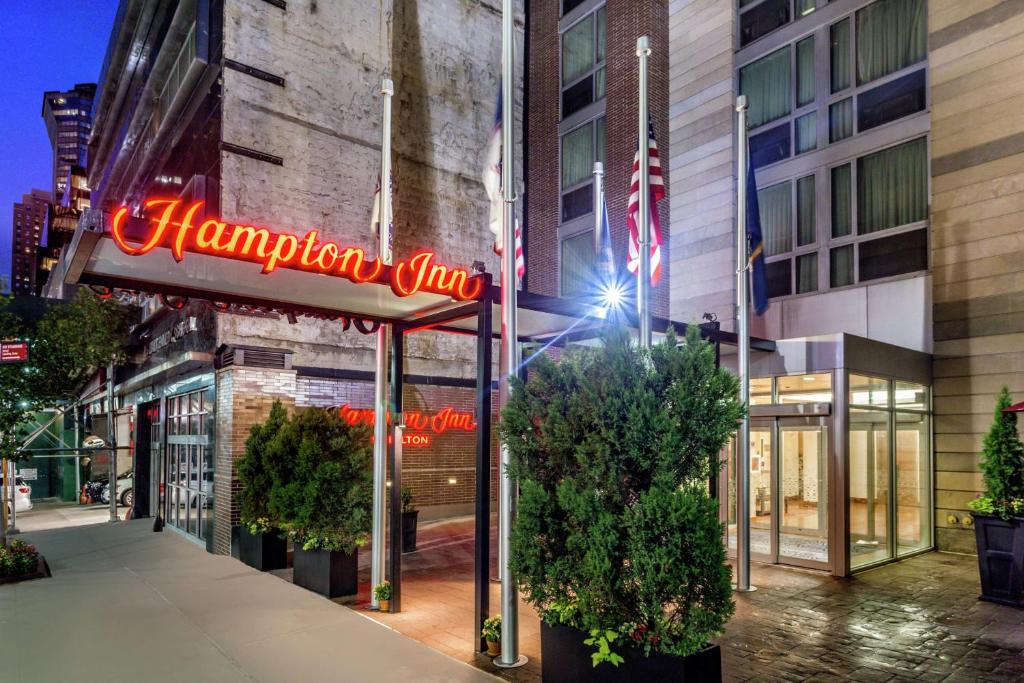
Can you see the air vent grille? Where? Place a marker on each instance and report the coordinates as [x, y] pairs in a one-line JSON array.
[[254, 358]]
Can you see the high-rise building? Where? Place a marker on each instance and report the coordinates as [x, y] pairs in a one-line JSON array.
[[27, 229], [61, 221], [68, 117], [887, 173]]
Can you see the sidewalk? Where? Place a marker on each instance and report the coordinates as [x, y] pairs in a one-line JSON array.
[[127, 604]]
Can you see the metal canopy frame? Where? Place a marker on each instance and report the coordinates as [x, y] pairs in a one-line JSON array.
[[545, 320]]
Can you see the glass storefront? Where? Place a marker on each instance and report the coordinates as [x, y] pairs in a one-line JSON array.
[[890, 505], [188, 462], [883, 460]]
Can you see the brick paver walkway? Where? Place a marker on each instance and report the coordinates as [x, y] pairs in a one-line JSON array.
[[919, 619]]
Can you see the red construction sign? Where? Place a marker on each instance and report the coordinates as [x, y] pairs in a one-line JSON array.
[[13, 352]]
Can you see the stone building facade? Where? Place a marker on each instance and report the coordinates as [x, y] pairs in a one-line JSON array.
[[282, 127]]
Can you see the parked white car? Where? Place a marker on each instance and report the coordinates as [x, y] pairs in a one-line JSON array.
[[124, 490], [21, 493]]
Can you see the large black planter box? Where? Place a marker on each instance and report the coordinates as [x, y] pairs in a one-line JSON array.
[[409, 531], [1001, 558], [262, 551], [564, 658], [328, 572]]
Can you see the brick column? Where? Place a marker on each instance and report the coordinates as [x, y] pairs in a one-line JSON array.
[[244, 398]]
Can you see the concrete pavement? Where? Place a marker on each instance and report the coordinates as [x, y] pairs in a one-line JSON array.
[[127, 604]]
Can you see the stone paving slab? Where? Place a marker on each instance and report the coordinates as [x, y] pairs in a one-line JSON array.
[[127, 604]]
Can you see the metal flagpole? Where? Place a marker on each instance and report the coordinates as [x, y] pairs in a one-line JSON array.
[[509, 339], [598, 213], [112, 443], [643, 289], [743, 342], [380, 386]]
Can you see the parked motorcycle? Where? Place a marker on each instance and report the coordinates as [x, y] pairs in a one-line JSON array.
[[92, 492]]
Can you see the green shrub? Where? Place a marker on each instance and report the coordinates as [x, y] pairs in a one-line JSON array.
[[322, 480], [255, 471], [1002, 465], [18, 559], [616, 534]]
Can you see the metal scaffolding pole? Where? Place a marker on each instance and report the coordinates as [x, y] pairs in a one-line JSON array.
[[643, 289], [112, 443], [380, 386], [510, 656], [743, 344]]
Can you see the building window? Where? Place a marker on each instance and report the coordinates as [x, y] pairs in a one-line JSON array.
[[583, 48], [892, 187], [890, 36], [581, 147], [577, 267], [766, 83]]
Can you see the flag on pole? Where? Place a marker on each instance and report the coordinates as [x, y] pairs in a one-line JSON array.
[[605, 256], [633, 211], [375, 218], [755, 243], [492, 184]]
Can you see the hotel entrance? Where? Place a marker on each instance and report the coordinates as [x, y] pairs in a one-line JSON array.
[[840, 455]]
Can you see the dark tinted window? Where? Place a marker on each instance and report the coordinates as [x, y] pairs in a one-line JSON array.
[[778, 276], [904, 253], [570, 5], [891, 101], [577, 203], [762, 20], [577, 96], [770, 146]]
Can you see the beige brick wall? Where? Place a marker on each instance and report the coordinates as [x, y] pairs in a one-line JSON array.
[[976, 54]]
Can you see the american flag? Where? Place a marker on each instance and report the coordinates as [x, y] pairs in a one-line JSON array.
[[633, 212], [492, 184]]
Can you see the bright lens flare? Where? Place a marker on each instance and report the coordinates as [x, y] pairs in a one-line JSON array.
[[611, 296]]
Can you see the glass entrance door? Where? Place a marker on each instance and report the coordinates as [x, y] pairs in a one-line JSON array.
[[803, 493]]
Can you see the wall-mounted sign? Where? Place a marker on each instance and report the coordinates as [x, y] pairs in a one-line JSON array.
[[180, 330], [13, 352], [415, 421], [28, 474], [172, 224]]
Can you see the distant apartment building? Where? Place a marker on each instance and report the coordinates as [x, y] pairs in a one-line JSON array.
[[61, 221], [68, 117], [27, 228], [887, 168]]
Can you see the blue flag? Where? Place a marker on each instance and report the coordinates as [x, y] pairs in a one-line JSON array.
[[605, 256], [755, 244]]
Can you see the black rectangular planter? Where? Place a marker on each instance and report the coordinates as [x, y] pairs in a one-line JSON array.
[[1001, 558], [328, 572], [409, 531], [564, 658], [262, 551]]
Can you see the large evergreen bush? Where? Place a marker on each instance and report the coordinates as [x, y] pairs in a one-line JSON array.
[[322, 480], [255, 471], [616, 533], [1002, 464]]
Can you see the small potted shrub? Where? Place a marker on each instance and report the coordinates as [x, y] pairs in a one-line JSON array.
[[617, 543], [382, 591], [409, 517], [321, 496], [999, 513], [491, 632], [260, 543]]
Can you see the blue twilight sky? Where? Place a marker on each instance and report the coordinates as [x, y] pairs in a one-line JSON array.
[[48, 45]]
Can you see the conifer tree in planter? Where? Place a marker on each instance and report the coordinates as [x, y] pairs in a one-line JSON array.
[[999, 513], [262, 544], [617, 542], [321, 497]]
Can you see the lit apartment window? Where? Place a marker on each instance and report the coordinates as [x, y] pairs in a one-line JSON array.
[[758, 19]]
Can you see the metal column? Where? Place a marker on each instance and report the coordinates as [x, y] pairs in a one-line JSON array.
[[112, 442], [643, 288], [395, 561], [380, 387], [482, 554], [743, 344]]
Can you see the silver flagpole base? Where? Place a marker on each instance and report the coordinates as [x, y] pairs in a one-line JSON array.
[[514, 665], [749, 589]]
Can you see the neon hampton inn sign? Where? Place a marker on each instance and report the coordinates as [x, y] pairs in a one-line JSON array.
[[173, 224]]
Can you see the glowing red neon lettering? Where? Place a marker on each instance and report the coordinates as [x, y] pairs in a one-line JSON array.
[[440, 422], [178, 228]]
